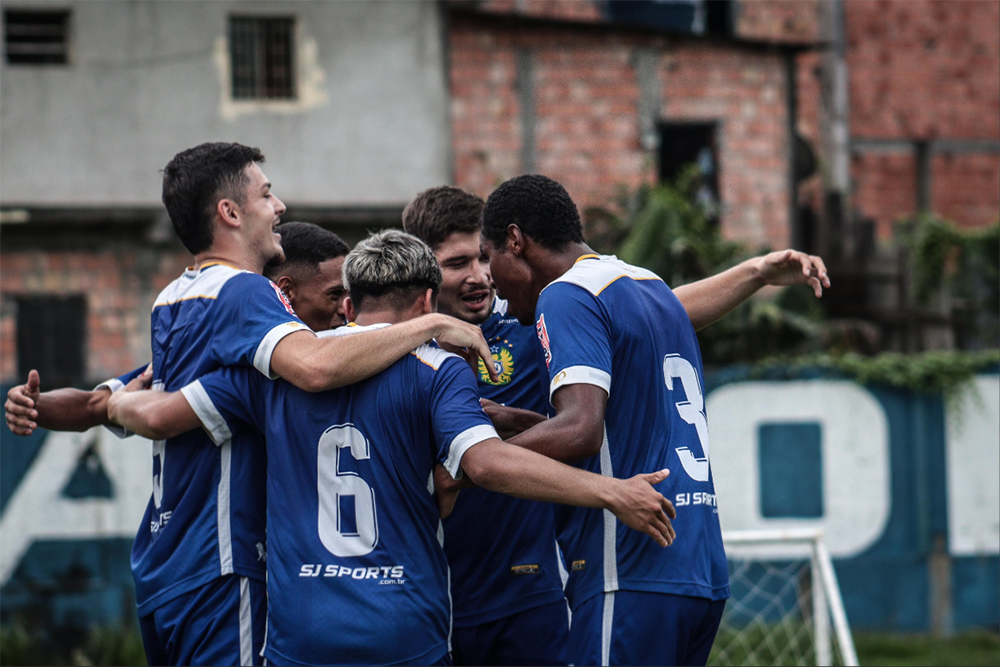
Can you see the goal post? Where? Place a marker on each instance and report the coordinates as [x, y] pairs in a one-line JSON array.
[[785, 598]]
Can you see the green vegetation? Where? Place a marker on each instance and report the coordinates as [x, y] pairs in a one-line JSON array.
[[120, 645], [664, 228], [926, 372], [978, 647], [791, 645]]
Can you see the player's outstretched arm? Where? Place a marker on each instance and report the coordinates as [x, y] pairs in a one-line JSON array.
[[708, 300], [156, 415], [28, 408], [318, 364], [499, 467]]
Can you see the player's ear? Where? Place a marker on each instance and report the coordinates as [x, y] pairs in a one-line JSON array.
[[227, 211], [287, 286], [429, 302], [514, 240], [349, 313]]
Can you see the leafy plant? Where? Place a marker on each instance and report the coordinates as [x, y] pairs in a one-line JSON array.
[[667, 229]]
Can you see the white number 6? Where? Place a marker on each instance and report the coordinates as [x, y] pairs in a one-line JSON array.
[[334, 483]]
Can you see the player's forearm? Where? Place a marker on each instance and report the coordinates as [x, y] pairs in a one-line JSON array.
[[156, 415], [524, 474], [72, 409], [511, 421], [319, 364], [709, 300], [562, 438]]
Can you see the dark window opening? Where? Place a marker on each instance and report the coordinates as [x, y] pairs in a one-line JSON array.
[[261, 55], [719, 17], [685, 144], [36, 38], [51, 338]]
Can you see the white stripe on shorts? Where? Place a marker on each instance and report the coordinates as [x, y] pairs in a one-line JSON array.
[[606, 625], [246, 625]]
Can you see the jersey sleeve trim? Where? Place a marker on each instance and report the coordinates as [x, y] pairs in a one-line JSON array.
[[212, 421], [462, 443], [114, 384], [580, 375], [262, 357]]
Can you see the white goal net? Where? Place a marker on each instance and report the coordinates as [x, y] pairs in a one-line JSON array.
[[785, 607]]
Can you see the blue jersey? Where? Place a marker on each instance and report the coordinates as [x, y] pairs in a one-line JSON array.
[[502, 550], [621, 328], [206, 515], [356, 570]]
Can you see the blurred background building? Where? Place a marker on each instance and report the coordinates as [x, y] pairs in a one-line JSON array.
[[814, 125]]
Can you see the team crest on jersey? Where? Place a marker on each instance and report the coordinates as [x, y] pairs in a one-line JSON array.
[[543, 336], [284, 299], [503, 362]]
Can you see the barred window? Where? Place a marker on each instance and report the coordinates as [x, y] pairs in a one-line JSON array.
[[36, 38], [51, 337], [262, 58]]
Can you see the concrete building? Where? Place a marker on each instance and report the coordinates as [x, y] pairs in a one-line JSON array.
[[347, 100]]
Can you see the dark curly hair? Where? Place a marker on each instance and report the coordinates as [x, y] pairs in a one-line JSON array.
[[539, 206], [439, 212], [196, 179], [306, 245]]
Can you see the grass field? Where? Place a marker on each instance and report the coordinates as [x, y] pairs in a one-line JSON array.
[[115, 646]]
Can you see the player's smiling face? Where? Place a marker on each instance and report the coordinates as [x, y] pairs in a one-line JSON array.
[[466, 289], [261, 214], [513, 279]]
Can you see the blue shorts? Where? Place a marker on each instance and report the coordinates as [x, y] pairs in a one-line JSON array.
[[220, 623], [537, 636], [638, 628]]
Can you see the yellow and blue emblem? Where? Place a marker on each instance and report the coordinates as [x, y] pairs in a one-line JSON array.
[[503, 362]]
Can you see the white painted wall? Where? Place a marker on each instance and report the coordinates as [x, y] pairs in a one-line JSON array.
[[972, 461], [149, 78]]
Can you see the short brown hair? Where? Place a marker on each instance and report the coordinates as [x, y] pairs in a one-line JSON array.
[[439, 212]]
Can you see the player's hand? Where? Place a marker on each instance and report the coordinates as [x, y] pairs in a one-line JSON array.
[[509, 421], [20, 406], [791, 267], [141, 382], [466, 340], [643, 508], [446, 489]]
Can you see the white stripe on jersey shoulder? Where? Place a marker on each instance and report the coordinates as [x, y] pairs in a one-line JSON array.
[[595, 273], [348, 329], [432, 356], [499, 306], [197, 284]]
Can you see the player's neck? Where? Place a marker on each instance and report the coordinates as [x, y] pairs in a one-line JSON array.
[[230, 257], [552, 265], [379, 317]]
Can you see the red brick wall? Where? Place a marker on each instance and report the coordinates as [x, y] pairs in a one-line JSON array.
[[746, 91], [925, 70], [119, 286], [966, 188], [885, 188], [779, 20], [587, 125]]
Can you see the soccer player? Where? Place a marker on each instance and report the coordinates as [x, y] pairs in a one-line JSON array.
[[509, 607], [625, 382], [198, 558], [311, 276], [356, 573]]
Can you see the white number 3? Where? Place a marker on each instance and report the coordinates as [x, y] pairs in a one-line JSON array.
[[333, 484], [692, 411]]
